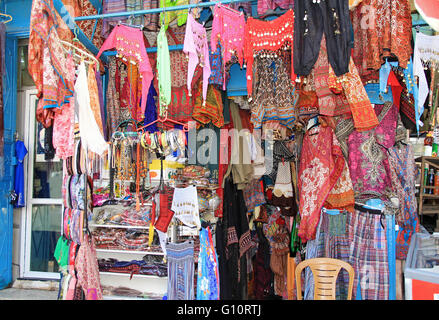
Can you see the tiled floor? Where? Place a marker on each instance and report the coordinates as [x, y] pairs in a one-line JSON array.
[[27, 294]]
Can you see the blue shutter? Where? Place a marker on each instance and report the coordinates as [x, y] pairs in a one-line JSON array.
[[7, 180]]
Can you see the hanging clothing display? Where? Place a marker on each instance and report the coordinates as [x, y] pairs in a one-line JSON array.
[[381, 29], [223, 179]]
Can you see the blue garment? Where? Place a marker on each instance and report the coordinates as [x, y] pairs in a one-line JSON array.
[[20, 153], [151, 109], [207, 274]]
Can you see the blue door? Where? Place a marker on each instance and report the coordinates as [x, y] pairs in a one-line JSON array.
[[7, 178]]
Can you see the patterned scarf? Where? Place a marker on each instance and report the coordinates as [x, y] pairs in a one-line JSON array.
[[321, 165]]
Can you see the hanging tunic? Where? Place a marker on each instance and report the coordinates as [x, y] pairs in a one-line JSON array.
[[368, 161], [321, 165]]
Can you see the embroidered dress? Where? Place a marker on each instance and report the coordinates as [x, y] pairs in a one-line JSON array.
[[181, 266], [270, 36], [273, 96], [207, 274], [196, 48], [211, 110], [216, 66], [113, 100], [368, 160], [253, 195], [403, 171], [321, 165], [130, 45]]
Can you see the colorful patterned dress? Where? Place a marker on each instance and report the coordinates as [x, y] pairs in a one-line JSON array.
[[207, 274]]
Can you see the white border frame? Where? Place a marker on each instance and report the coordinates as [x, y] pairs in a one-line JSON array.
[[29, 139]]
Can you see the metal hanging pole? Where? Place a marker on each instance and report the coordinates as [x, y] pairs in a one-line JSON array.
[[157, 10]]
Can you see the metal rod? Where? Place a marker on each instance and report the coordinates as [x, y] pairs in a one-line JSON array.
[[157, 10], [148, 50]]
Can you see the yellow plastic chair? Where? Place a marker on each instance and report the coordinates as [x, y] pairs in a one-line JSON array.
[[325, 272]]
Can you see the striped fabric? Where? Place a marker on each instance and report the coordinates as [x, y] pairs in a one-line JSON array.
[[368, 255], [331, 242], [180, 270], [112, 6]]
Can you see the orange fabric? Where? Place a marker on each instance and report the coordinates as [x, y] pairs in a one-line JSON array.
[[362, 111], [94, 97]]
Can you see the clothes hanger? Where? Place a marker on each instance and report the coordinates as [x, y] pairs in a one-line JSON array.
[[164, 120], [8, 16], [140, 26], [81, 53]]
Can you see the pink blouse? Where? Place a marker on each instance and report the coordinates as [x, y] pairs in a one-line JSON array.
[[129, 43]]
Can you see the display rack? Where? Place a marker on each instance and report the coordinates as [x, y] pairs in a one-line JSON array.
[[432, 208]]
